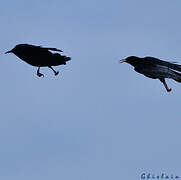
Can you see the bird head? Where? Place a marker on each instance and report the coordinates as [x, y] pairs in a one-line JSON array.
[[14, 50], [11, 51], [133, 60]]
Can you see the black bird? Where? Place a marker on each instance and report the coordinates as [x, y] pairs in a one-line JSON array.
[[155, 68], [39, 56]]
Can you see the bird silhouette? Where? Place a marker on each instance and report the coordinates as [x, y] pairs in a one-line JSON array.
[[155, 68], [39, 56]]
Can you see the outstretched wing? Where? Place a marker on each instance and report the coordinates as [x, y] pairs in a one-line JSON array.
[[40, 47], [51, 49], [170, 65], [54, 49], [176, 67]]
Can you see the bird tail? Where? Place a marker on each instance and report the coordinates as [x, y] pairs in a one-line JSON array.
[[62, 58], [66, 58]]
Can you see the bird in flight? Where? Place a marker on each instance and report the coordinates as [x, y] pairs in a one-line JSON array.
[[155, 68], [39, 56]]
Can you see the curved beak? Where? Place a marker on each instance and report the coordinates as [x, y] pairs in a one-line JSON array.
[[122, 60], [8, 52]]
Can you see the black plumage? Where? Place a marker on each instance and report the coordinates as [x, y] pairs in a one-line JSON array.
[[155, 68], [39, 56]]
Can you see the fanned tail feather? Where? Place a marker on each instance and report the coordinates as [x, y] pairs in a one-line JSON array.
[[66, 58], [59, 58]]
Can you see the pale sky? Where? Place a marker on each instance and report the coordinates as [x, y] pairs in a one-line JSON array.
[[98, 119]]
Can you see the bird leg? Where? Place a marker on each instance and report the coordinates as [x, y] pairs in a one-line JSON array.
[[55, 72], [38, 73], [165, 84]]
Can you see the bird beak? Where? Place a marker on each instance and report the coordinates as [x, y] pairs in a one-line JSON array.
[[122, 60], [8, 52]]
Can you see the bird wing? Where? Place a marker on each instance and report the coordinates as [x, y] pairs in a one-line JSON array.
[[176, 67], [54, 49], [170, 65], [45, 48]]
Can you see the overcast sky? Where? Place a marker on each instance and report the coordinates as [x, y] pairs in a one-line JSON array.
[[98, 119]]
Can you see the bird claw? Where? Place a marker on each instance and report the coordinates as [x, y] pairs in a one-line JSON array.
[[165, 84], [40, 75], [56, 73], [169, 89]]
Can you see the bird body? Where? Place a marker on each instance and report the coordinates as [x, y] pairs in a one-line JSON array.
[[155, 68], [39, 56]]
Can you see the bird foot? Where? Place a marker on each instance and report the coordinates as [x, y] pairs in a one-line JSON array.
[[169, 89], [56, 73], [165, 84], [40, 74]]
